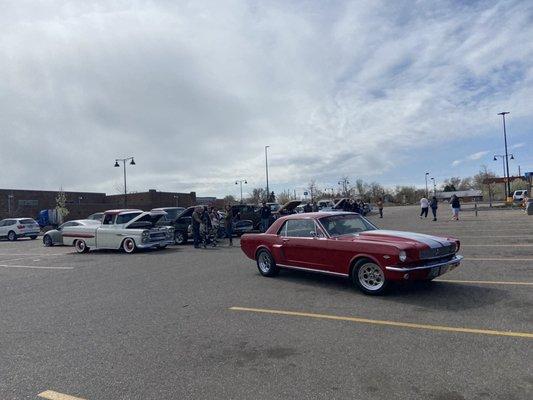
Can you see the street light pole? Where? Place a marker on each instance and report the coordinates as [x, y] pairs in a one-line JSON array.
[[434, 187], [503, 114], [132, 162], [266, 169], [344, 182], [427, 192], [507, 188], [241, 182]]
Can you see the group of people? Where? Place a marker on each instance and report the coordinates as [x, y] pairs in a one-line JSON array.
[[433, 204], [206, 224], [357, 206]]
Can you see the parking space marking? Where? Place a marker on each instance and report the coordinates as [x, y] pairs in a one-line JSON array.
[[33, 266], [497, 259], [496, 245], [51, 395], [410, 325], [485, 282]]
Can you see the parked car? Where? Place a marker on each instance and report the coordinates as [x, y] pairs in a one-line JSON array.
[[128, 230], [96, 216], [250, 212], [287, 208], [54, 237], [172, 212], [14, 228], [519, 195], [347, 244]]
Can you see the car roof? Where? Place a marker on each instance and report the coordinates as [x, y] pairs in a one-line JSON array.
[[318, 215], [167, 208], [122, 211]]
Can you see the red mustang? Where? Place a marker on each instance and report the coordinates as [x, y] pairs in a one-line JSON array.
[[346, 244]]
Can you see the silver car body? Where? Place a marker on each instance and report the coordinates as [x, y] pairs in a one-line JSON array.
[[54, 237], [19, 227], [118, 225]]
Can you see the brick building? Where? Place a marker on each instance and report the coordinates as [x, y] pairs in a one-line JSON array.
[[28, 203]]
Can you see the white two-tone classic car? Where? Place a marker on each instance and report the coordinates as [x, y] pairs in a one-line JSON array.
[[128, 230]]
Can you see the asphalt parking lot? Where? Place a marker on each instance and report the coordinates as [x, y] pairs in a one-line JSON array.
[[182, 323]]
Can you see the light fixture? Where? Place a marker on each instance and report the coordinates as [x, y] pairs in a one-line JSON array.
[[116, 164], [495, 159], [512, 157], [132, 162]]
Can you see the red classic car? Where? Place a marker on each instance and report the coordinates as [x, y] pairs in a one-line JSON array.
[[347, 244]]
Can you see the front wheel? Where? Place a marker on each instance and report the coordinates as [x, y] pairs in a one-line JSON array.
[[180, 238], [128, 245], [47, 241], [81, 246], [369, 277], [11, 236], [266, 264]]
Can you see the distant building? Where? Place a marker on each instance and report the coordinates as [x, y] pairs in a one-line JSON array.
[[464, 195]]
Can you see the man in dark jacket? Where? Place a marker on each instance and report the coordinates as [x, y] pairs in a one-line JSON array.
[[308, 208], [434, 204], [265, 214], [196, 221]]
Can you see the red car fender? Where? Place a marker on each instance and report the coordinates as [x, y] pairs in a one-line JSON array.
[[361, 256]]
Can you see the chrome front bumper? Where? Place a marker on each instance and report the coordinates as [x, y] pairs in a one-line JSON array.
[[148, 245], [455, 261]]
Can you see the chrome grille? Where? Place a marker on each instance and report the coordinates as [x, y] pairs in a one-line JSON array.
[[438, 252]]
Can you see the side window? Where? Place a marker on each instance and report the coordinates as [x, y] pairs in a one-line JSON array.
[[283, 230], [2, 223], [301, 228], [108, 219], [125, 218]]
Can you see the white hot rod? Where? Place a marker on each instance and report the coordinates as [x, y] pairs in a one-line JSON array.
[[128, 230]]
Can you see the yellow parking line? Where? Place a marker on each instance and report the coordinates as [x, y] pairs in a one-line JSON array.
[[387, 323], [51, 395], [485, 282]]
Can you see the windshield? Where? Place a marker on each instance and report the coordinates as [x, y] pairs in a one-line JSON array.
[[346, 224]]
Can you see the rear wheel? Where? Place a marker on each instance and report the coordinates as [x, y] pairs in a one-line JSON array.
[[369, 277], [81, 246], [266, 264], [47, 241], [128, 245], [11, 236]]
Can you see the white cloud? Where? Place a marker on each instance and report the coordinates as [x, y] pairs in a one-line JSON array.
[[478, 155], [517, 146], [455, 163], [195, 90]]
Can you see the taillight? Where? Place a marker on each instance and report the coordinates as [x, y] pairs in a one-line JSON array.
[[20, 226]]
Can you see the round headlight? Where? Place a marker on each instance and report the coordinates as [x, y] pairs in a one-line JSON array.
[[403, 256]]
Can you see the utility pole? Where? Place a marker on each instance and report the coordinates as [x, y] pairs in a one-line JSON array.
[[503, 114], [266, 170], [427, 192], [241, 182]]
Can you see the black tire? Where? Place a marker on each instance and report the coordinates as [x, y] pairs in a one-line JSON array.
[[266, 263], [47, 241], [81, 246], [180, 237], [129, 246], [33, 237], [11, 236], [368, 277]]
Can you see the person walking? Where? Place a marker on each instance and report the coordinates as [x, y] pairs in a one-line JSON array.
[[265, 213], [424, 207], [456, 207], [434, 204], [228, 224], [196, 222], [380, 207]]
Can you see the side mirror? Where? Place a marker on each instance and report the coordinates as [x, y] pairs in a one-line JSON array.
[[314, 235]]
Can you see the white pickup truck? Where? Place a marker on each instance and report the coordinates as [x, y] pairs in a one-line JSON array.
[[128, 230]]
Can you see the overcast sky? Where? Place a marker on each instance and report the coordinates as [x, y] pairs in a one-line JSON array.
[[194, 90]]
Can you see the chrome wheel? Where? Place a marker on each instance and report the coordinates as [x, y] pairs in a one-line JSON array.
[[265, 262], [179, 238], [47, 240], [371, 277], [12, 236], [81, 246], [129, 245]]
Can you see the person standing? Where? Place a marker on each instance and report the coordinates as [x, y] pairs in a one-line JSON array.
[[424, 207], [228, 224], [266, 213], [196, 222], [380, 207], [314, 207], [434, 204], [456, 207], [308, 208]]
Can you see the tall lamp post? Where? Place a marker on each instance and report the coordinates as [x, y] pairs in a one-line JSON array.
[[132, 162], [241, 182], [507, 188], [427, 192], [434, 187], [266, 170], [503, 114], [344, 182]]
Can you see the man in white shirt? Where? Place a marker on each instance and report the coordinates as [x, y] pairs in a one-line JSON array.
[[424, 206]]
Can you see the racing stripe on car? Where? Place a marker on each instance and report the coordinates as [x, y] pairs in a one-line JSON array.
[[431, 241]]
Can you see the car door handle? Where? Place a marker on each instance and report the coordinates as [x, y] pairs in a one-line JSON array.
[[284, 240]]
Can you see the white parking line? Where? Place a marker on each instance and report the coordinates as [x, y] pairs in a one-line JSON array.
[[52, 395], [33, 267]]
